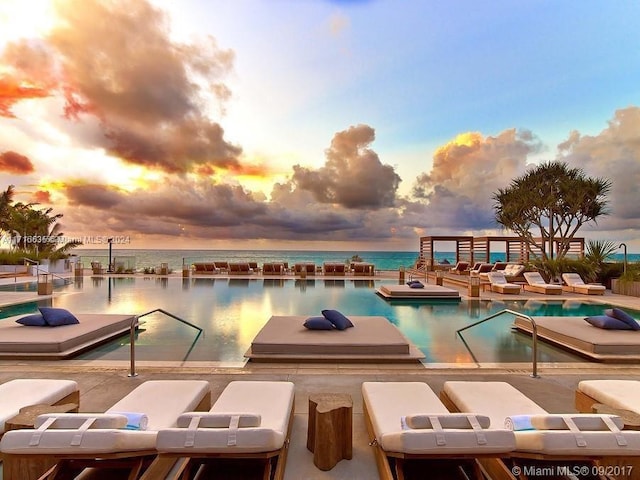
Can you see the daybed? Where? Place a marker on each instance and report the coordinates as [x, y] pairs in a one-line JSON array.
[[248, 427], [567, 438], [24, 392], [499, 284], [21, 341], [575, 284], [118, 438], [427, 291], [537, 284], [391, 409], [284, 338], [578, 336]]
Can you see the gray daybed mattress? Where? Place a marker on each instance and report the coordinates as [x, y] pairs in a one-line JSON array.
[[429, 291], [19, 341], [371, 338], [575, 334]]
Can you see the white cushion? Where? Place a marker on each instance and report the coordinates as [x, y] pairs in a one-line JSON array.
[[388, 402], [162, 400], [565, 442], [271, 401], [19, 393], [497, 400], [622, 394]]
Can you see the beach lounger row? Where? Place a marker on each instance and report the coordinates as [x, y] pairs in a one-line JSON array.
[[162, 429], [486, 429]]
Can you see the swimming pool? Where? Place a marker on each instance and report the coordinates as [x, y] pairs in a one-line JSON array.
[[232, 311]]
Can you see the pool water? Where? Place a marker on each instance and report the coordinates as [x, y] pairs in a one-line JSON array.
[[232, 311]]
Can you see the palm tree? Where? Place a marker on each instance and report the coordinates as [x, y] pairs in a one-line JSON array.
[[555, 201], [6, 199]]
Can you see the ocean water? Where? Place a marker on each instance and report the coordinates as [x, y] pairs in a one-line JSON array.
[[383, 260]]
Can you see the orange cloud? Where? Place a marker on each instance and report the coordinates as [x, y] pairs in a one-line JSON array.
[[42, 196], [13, 162], [13, 90]]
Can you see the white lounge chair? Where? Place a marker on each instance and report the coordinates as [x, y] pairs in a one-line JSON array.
[[24, 392], [616, 394], [575, 284], [537, 284], [74, 441], [390, 409], [562, 438], [250, 423], [499, 284]]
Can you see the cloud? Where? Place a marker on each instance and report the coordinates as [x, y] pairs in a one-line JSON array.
[[41, 196], [353, 176], [12, 162], [149, 93], [456, 193], [613, 154]]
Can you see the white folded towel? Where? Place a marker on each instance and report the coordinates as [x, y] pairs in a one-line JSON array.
[[135, 421], [518, 423]]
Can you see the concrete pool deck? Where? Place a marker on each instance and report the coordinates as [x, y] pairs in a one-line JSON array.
[[103, 383]]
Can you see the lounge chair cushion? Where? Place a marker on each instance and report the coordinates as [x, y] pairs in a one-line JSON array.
[[54, 317], [607, 322], [623, 317], [583, 421], [272, 401], [35, 320], [481, 397], [387, 402], [161, 400], [318, 323], [22, 392], [621, 394], [338, 319]]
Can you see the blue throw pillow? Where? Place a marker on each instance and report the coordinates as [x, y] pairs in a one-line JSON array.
[[58, 316], [338, 319], [416, 284], [623, 317], [607, 322], [318, 323], [35, 320]]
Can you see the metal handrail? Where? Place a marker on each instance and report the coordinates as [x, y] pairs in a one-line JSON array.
[[38, 270], [534, 334], [132, 340]]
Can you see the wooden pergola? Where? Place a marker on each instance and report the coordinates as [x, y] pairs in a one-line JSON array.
[[464, 249], [478, 249]]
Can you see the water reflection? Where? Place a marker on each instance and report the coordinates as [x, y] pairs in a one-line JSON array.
[[232, 316]]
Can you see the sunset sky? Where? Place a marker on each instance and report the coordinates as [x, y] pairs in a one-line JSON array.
[[302, 124]]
